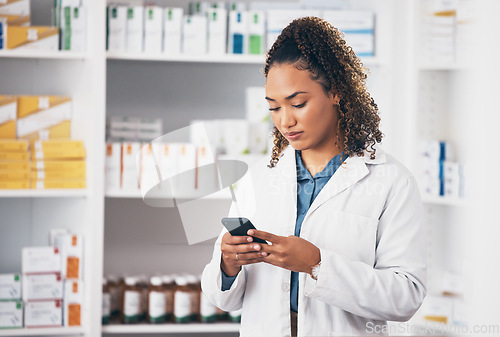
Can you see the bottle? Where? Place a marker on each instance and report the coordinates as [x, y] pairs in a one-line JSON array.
[[116, 294], [106, 302], [235, 316], [195, 290], [182, 301], [208, 312], [168, 288], [143, 283], [157, 303], [132, 297], [221, 315]]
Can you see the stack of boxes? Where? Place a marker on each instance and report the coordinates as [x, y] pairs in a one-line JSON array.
[[438, 32], [441, 175], [52, 283], [11, 305], [14, 165], [219, 27], [35, 143], [133, 129]]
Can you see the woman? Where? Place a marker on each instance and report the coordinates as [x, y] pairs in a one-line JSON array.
[[343, 220]]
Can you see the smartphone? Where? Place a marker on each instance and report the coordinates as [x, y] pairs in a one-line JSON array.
[[240, 227]]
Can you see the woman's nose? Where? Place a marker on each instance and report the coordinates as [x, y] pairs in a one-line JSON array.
[[287, 118]]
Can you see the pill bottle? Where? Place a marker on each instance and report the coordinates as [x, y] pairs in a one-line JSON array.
[[157, 303], [132, 298], [208, 313], [106, 302], [195, 290], [221, 315], [182, 300], [168, 288], [144, 282], [115, 295]]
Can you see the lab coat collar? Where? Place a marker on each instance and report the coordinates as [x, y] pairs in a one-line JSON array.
[[352, 170]]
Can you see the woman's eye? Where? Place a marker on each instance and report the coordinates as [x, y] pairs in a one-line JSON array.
[[299, 105], [274, 109]]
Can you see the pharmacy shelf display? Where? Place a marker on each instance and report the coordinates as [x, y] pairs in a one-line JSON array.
[[40, 54], [66, 193], [45, 332], [171, 328]]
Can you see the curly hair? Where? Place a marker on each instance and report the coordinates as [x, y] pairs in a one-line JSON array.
[[313, 44]]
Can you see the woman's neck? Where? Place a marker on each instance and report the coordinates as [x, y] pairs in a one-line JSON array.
[[316, 160]]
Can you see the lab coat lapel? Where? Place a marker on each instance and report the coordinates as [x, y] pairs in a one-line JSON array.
[[286, 174], [349, 173]]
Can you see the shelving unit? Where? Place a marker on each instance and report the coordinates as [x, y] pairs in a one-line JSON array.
[[73, 193], [171, 328], [43, 332], [40, 54]]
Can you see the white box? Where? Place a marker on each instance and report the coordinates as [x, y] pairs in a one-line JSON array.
[[358, 27], [195, 34], [113, 166], [73, 303], [237, 40], [135, 29], [21, 7], [168, 155], [43, 314], [259, 137], [41, 260], [11, 314], [55, 232], [10, 287], [71, 250], [149, 168], [130, 154], [172, 30], [237, 6], [42, 287], [257, 108], [153, 29], [236, 136], [256, 32], [278, 19], [117, 28], [217, 30], [73, 25]]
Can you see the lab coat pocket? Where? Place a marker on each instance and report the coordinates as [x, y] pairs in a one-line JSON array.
[[351, 235], [251, 330]]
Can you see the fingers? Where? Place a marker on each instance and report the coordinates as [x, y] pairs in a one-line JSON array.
[[236, 240], [264, 235]]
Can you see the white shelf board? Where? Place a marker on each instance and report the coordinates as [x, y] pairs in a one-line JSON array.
[[208, 58], [443, 201], [41, 54], [170, 328], [78, 331], [434, 66], [43, 193], [224, 194]]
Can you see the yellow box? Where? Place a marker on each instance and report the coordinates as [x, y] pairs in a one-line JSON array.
[[58, 145], [59, 165], [16, 20], [58, 154], [14, 185], [32, 37], [58, 175], [59, 184], [12, 145], [8, 112], [28, 105], [14, 156], [6, 176], [15, 165], [58, 131]]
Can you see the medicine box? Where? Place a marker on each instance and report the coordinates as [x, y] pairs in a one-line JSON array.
[[11, 314], [256, 32], [58, 149], [15, 20], [236, 136], [32, 38], [43, 114], [73, 28], [129, 165], [8, 112], [113, 166], [135, 29], [71, 250], [194, 34], [42, 287], [217, 30], [237, 32], [278, 19], [41, 260], [10, 287], [19, 7], [58, 165], [117, 28], [73, 303], [43, 314], [153, 29], [172, 30]]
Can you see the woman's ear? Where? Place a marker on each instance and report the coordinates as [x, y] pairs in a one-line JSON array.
[[335, 97]]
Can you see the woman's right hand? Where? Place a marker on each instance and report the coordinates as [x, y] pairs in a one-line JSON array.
[[238, 251]]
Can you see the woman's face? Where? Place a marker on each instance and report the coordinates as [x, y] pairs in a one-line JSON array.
[[300, 109]]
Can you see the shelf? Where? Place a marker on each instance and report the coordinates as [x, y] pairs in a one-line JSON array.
[[443, 201], [170, 328], [437, 66], [29, 193], [41, 54], [225, 194], [43, 332], [208, 58]]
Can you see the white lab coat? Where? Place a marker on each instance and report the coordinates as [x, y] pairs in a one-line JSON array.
[[367, 223]]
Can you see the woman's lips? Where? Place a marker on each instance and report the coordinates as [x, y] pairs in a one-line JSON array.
[[293, 135]]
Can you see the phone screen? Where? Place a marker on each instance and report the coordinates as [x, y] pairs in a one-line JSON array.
[[239, 227]]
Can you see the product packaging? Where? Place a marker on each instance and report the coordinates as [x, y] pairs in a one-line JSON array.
[[135, 29], [71, 250], [237, 32], [73, 303], [236, 136], [19, 7], [41, 260], [73, 28], [113, 166], [40, 314], [256, 32], [194, 34], [172, 30], [130, 155], [278, 19], [10, 287], [217, 30], [12, 314], [38, 287], [32, 38], [8, 112], [15, 20], [117, 28], [153, 29]]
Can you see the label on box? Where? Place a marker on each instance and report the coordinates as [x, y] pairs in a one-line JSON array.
[[42, 287], [11, 314], [71, 247], [41, 260], [10, 286], [73, 302]]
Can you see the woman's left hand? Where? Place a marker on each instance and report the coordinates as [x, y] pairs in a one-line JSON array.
[[292, 252]]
